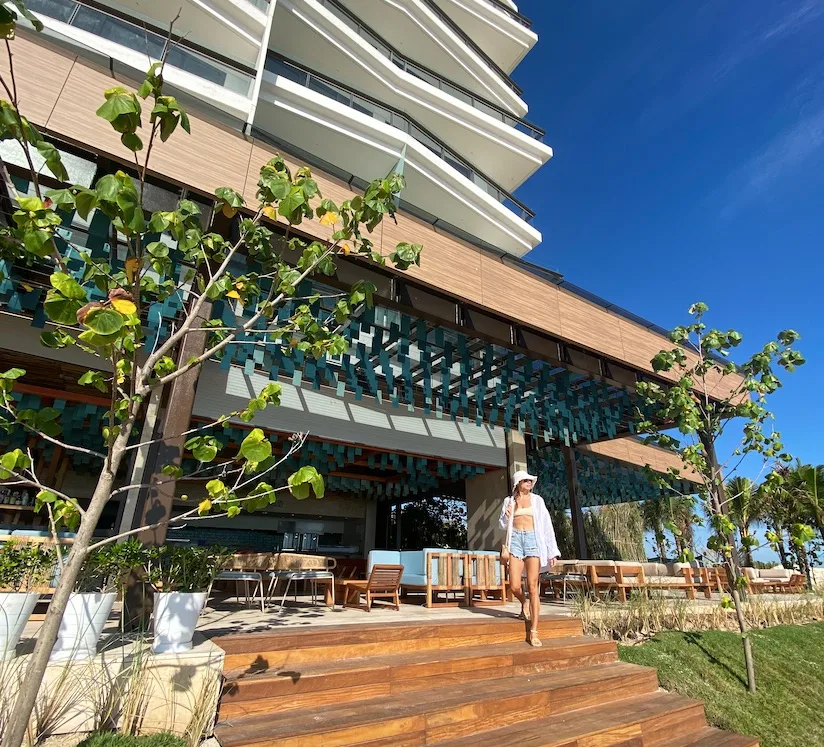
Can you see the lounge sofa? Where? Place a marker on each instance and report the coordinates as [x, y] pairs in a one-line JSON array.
[[621, 576], [457, 575], [776, 579]]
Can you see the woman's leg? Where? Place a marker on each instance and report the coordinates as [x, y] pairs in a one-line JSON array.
[[516, 572], [533, 572]]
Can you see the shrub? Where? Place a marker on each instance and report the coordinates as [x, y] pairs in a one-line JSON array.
[[24, 565], [111, 739]]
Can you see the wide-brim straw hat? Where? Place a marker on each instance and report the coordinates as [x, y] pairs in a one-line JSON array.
[[521, 475]]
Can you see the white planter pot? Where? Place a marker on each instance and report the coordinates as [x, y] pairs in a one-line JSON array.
[[81, 626], [15, 610], [175, 620]]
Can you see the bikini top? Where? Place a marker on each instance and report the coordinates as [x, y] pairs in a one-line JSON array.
[[523, 511]]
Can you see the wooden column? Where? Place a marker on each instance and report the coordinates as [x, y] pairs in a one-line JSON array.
[[575, 503], [176, 420]]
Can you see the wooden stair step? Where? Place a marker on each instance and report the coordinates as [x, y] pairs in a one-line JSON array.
[[710, 737], [254, 653], [338, 681], [442, 713], [641, 721]]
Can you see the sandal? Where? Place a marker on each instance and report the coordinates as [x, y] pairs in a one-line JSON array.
[[534, 641], [524, 614]]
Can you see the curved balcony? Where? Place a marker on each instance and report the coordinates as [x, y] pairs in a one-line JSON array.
[[430, 76], [495, 27], [421, 31], [220, 82], [313, 36], [343, 95], [359, 139]]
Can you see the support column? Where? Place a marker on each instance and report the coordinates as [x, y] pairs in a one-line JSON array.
[[398, 515], [485, 494], [370, 527], [575, 503], [176, 420]]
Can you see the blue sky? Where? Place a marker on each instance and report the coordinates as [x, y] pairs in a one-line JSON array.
[[689, 165]]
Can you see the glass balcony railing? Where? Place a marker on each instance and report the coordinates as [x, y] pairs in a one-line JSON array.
[[136, 37], [320, 84], [511, 12], [404, 63]]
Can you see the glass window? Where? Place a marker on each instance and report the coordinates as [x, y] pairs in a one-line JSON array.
[[457, 165], [328, 90], [279, 67], [118, 31], [60, 10], [372, 109], [182, 59]]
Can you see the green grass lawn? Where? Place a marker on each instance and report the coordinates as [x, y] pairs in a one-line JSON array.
[[787, 710]]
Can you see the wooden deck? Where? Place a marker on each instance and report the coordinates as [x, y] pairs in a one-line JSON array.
[[448, 683]]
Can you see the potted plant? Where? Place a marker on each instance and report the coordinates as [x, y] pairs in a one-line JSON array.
[[91, 603], [181, 577], [23, 566]]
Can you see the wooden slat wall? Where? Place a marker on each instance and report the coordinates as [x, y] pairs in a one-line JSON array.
[[64, 102], [631, 451]]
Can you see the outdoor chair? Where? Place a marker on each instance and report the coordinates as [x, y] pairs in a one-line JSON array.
[[488, 577], [383, 583]]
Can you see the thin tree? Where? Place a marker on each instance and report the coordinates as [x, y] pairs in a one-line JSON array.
[[656, 517], [707, 397], [101, 309], [745, 510]]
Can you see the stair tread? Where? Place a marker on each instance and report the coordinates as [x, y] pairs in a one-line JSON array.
[[560, 729], [520, 649], [288, 638], [347, 715], [711, 737]]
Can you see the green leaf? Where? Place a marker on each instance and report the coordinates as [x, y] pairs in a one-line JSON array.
[[61, 310], [28, 15], [256, 447], [104, 321], [290, 206], [107, 188], [229, 196], [85, 201], [406, 255], [67, 286], [172, 470], [306, 477], [51, 156], [120, 107], [203, 448], [46, 496], [95, 379], [132, 141], [12, 374]]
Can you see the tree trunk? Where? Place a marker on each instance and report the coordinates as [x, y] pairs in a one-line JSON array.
[[661, 542], [748, 559], [718, 502], [36, 669], [782, 551]]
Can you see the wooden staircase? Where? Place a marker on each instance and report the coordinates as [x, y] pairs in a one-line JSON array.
[[449, 683]]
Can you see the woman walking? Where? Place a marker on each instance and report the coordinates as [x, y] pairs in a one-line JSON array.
[[532, 545]]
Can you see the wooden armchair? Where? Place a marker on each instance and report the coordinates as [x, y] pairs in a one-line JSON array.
[[383, 583], [488, 579]]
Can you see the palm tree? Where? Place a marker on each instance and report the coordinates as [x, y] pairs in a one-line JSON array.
[[684, 518], [656, 515], [813, 482], [745, 509]]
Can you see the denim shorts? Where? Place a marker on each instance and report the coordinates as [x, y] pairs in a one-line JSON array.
[[523, 545]]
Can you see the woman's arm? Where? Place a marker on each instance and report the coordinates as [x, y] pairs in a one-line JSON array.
[[551, 541], [503, 520]]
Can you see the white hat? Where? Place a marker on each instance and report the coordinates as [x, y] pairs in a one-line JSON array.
[[522, 475]]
